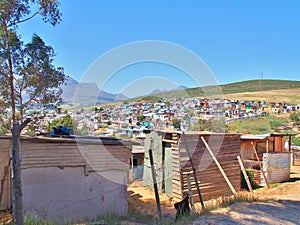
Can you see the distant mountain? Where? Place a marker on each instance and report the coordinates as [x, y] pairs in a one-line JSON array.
[[159, 91], [86, 94]]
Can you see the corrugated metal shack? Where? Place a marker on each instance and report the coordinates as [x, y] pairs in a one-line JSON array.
[[296, 156], [274, 158], [73, 179], [172, 163], [276, 167], [5, 175]]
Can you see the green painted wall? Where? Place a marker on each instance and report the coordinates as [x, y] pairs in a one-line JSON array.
[[160, 166]]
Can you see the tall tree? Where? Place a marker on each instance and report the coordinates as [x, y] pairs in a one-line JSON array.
[[27, 74]]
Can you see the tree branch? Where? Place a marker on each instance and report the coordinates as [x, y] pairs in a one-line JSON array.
[[24, 20], [24, 123]]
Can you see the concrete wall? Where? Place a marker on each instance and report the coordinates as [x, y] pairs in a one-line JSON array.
[[67, 194]]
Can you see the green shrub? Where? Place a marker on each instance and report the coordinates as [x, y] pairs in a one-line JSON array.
[[67, 121], [296, 141], [295, 117], [250, 175]]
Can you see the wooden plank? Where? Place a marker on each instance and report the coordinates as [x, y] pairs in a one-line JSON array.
[[244, 173], [261, 168], [190, 191], [220, 168]]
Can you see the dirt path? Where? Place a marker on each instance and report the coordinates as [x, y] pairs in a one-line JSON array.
[[280, 205]]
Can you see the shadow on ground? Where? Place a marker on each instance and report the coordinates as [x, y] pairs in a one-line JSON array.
[[267, 213]]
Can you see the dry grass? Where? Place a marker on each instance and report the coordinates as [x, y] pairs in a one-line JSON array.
[[224, 201], [291, 96]]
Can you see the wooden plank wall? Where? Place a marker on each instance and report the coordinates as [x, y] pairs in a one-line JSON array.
[[226, 148], [176, 170]]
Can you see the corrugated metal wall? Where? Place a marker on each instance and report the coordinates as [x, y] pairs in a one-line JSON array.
[[276, 167], [5, 175], [96, 155], [296, 157], [110, 157], [156, 147]]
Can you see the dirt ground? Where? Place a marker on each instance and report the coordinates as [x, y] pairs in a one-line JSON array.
[[142, 199], [277, 205]]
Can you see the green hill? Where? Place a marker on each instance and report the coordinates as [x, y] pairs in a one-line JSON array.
[[259, 85], [232, 88]]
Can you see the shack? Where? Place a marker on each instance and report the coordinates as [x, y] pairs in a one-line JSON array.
[[136, 171], [70, 179], [296, 155], [274, 158], [172, 165]]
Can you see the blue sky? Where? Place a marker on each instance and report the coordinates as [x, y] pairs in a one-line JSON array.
[[238, 40]]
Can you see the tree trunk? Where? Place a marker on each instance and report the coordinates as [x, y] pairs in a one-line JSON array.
[[11, 74], [16, 168]]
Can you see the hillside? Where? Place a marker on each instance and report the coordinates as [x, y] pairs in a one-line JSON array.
[[251, 86], [259, 85], [291, 96], [266, 90]]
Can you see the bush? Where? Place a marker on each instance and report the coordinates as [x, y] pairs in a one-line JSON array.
[[176, 123], [295, 117], [276, 123], [296, 141], [66, 121], [250, 175]]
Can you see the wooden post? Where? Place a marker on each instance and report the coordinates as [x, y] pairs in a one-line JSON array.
[[154, 180], [245, 173], [190, 190], [219, 166], [267, 146], [163, 186], [293, 155], [194, 170], [132, 172], [290, 143], [260, 164]]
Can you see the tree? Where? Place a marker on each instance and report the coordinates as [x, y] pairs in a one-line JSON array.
[[66, 121], [212, 125], [26, 72], [295, 117], [176, 123], [84, 130], [140, 118]]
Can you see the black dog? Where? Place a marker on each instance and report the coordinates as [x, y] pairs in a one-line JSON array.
[[182, 207]]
